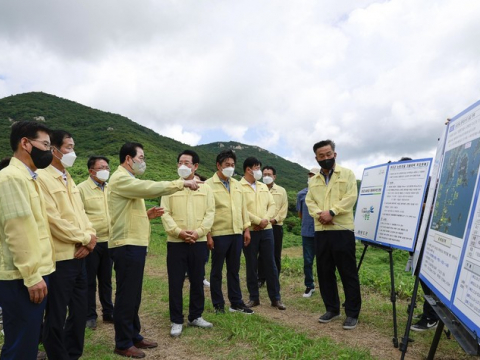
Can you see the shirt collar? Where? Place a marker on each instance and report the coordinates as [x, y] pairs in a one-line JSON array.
[[33, 174], [330, 172], [63, 173], [101, 186]]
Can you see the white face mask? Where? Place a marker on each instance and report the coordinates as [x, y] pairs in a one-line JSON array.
[[257, 174], [228, 172], [184, 171], [139, 167], [308, 180], [103, 175], [68, 159], [267, 180]]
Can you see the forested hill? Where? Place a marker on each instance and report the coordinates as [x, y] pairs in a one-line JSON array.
[[103, 133], [289, 174]]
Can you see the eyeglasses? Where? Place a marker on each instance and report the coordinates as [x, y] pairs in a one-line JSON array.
[[46, 144]]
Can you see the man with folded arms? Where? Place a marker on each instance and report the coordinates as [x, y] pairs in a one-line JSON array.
[[27, 255], [129, 241], [228, 235], [187, 220]]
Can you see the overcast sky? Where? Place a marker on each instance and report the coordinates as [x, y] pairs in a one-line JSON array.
[[378, 77]]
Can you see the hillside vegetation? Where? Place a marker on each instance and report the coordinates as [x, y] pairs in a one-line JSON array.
[[100, 132]]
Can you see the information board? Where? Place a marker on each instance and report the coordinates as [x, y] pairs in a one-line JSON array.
[[451, 261], [390, 203], [369, 202], [430, 197]]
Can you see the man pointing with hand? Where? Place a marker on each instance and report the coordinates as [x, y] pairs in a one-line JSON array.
[[129, 241]]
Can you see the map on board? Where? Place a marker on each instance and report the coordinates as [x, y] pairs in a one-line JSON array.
[[450, 265], [456, 187]]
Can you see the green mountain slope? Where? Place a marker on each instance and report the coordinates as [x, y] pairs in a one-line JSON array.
[[99, 132], [289, 174]]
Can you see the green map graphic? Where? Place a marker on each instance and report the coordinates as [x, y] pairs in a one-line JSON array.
[[455, 189]]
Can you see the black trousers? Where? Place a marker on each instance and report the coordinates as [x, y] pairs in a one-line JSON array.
[[63, 337], [277, 252], [22, 320], [336, 250], [428, 312], [129, 264], [261, 243], [227, 248], [180, 257], [99, 265]]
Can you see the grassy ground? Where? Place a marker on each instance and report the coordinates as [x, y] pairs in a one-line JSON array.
[[272, 334]]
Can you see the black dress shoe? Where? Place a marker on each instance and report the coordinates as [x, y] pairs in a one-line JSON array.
[[131, 352], [108, 318], [279, 305], [252, 303]]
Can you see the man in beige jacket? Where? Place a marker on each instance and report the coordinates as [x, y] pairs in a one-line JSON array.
[[27, 255], [129, 241], [99, 264], [74, 238], [281, 208], [187, 220]]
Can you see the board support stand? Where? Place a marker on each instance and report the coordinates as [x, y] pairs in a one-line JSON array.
[[406, 338], [393, 294], [468, 340]]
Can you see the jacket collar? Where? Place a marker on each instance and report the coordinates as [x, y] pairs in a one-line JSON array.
[[55, 172], [20, 165]]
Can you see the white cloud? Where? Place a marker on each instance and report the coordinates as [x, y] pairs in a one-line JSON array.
[[178, 133], [378, 77], [235, 132]]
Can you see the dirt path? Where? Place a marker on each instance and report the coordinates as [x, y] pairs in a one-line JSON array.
[[363, 337], [366, 336]]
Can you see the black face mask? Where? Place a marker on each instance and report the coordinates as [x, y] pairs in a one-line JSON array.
[[327, 164], [41, 158]]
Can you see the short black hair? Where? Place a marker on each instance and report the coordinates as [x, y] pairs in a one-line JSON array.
[[226, 154], [322, 144], [129, 148], [268, 167], [92, 160], [5, 162], [405, 158], [193, 154], [251, 162], [57, 137], [28, 129]]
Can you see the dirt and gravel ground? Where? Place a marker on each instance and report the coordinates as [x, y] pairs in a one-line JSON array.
[[365, 336]]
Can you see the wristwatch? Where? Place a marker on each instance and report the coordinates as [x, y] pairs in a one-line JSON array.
[[331, 213]]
